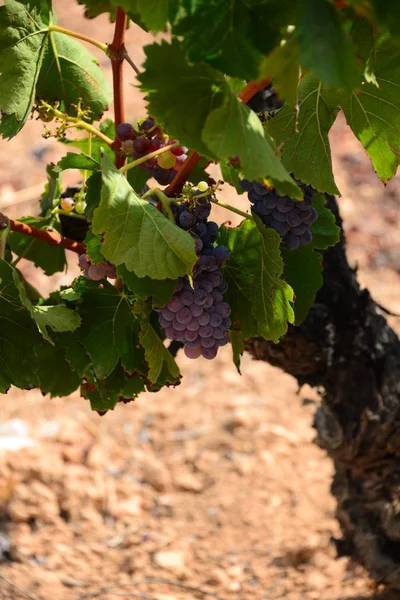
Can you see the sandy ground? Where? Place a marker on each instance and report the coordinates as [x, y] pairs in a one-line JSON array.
[[214, 489]]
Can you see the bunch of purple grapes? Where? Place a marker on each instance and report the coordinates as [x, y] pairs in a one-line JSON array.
[[197, 314], [290, 218], [97, 271], [149, 137]]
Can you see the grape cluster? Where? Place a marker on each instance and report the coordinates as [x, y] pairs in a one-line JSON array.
[[291, 219], [149, 137], [97, 271], [265, 100], [197, 314]]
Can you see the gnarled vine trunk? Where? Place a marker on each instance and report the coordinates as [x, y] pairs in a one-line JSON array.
[[346, 347]]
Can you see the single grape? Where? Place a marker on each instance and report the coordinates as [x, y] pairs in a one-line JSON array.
[[202, 211], [260, 189], [190, 336], [280, 227], [156, 144], [261, 209], [293, 218], [163, 176], [67, 204], [178, 326], [83, 261], [223, 342], [193, 344], [198, 245], [215, 320], [209, 302], [285, 204], [300, 229], [202, 186], [223, 309], [312, 218], [127, 146], [175, 304], [141, 146], [167, 314], [205, 331], [217, 296], [163, 322], [205, 284], [219, 332], [125, 131], [216, 278], [80, 207], [221, 254], [196, 309], [186, 219], [178, 151], [207, 342], [147, 124], [212, 230], [186, 298], [254, 197], [193, 325], [292, 241], [209, 353], [166, 160], [110, 271], [184, 315], [192, 352], [201, 229], [96, 272], [223, 287], [226, 322], [305, 204], [306, 237], [278, 215], [270, 201], [199, 297], [204, 319]]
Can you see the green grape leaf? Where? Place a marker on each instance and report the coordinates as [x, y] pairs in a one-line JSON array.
[[82, 161], [259, 298], [325, 231], [373, 113], [93, 248], [325, 48], [69, 294], [93, 194], [107, 325], [55, 375], [237, 343], [36, 251], [303, 272], [235, 130], [195, 89], [18, 334], [94, 8], [137, 179], [104, 394], [137, 234], [160, 292], [231, 176], [282, 66], [74, 353], [52, 191], [233, 37], [58, 318], [156, 13], [303, 267], [157, 355], [304, 135], [96, 144], [36, 62]]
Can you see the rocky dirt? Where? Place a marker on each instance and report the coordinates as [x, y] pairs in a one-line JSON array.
[[211, 490]]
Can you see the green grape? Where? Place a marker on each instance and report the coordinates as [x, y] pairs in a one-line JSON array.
[[67, 204], [166, 160], [80, 207]]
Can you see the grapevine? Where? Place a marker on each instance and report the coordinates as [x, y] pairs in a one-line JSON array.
[[157, 271]]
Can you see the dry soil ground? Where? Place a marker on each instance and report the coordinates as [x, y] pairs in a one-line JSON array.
[[214, 486]]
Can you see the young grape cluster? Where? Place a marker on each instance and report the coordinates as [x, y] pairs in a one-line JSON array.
[[149, 137], [291, 219], [97, 271], [197, 314]]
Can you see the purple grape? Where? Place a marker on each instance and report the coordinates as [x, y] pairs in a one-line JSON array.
[[186, 298], [285, 204], [226, 322], [223, 287], [300, 229], [259, 188], [209, 302], [201, 229], [216, 319], [190, 336], [96, 272], [110, 271], [219, 332], [209, 353], [246, 185], [141, 146], [306, 237], [202, 211], [175, 303], [147, 124], [216, 278], [192, 352], [206, 331], [280, 227], [163, 322], [223, 309], [194, 343], [206, 285], [217, 296], [184, 315], [292, 241], [312, 218], [254, 197], [125, 131], [261, 209], [178, 326], [270, 201], [278, 215], [167, 314], [212, 230], [204, 319], [186, 220], [207, 342], [196, 309], [198, 245], [84, 262], [293, 218], [221, 254], [223, 342], [199, 297], [193, 325]]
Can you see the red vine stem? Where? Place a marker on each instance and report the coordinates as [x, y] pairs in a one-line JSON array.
[[52, 238], [116, 52], [183, 175]]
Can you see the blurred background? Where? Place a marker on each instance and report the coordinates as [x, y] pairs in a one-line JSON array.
[[212, 489]]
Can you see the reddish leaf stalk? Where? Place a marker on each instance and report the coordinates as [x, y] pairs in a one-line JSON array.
[[183, 175], [116, 52], [52, 238]]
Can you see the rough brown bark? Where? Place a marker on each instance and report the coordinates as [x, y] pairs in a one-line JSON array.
[[346, 348]]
